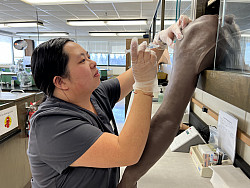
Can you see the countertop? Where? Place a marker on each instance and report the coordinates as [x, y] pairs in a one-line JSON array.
[[7, 96], [25, 89], [173, 170]]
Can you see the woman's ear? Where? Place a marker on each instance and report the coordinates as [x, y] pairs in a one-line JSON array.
[[60, 83]]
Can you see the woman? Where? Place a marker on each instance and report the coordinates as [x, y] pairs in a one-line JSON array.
[[73, 139], [72, 142]]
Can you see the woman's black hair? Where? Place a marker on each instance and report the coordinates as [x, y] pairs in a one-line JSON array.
[[47, 61]]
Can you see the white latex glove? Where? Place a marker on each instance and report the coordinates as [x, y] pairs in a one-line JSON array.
[[144, 67], [167, 36]]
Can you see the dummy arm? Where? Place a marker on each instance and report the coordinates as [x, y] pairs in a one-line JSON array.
[[193, 53]]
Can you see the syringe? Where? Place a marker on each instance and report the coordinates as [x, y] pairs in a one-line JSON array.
[[150, 46]]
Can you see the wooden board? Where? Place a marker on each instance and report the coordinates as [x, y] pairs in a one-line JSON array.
[[231, 87]]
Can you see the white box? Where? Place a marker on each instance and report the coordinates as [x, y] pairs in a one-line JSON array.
[[186, 139]]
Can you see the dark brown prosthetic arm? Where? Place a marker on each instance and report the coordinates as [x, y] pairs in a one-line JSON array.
[[193, 54]]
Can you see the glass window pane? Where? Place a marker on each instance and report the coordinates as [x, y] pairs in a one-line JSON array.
[[247, 56], [234, 36], [6, 52], [117, 59], [99, 58]]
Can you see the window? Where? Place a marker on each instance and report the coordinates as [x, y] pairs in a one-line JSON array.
[[117, 56], [117, 59], [247, 54], [106, 53], [99, 58], [6, 52]]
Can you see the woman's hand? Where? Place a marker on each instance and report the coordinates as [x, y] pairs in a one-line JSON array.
[[167, 36], [144, 66]]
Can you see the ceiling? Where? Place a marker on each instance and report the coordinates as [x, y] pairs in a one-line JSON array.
[[54, 16]]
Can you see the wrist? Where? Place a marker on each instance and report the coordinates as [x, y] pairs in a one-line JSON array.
[[137, 91], [148, 86]]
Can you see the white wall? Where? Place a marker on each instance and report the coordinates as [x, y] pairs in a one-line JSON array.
[[117, 70], [216, 105]]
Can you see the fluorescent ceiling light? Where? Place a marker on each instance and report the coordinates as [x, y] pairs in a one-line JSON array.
[[181, 0], [102, 34], [117, 1], [44, 34], [22, 24], [130, 34], [239, 1], [86, 23], [128, 22], [54, 2], [166, 22], [119, 34], [245, 35], [107, 22]]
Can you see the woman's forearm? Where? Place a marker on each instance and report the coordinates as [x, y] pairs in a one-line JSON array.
[[136, 128]]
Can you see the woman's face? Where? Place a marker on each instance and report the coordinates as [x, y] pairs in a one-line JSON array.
[[83, 77]]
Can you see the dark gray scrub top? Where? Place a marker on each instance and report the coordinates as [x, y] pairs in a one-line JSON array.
[[61, 132]]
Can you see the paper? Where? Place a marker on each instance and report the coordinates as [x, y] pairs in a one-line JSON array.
[[227, 128]]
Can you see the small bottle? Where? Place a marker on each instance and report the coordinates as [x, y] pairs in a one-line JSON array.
[[160, 96]]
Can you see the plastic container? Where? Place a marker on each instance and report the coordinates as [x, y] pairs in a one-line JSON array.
[[160, 96]]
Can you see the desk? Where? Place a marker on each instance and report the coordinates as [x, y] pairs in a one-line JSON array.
[[7, 96], [25, 89], [173, 170]]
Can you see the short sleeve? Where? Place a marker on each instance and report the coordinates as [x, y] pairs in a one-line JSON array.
[[112, 90], [63, 139]]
